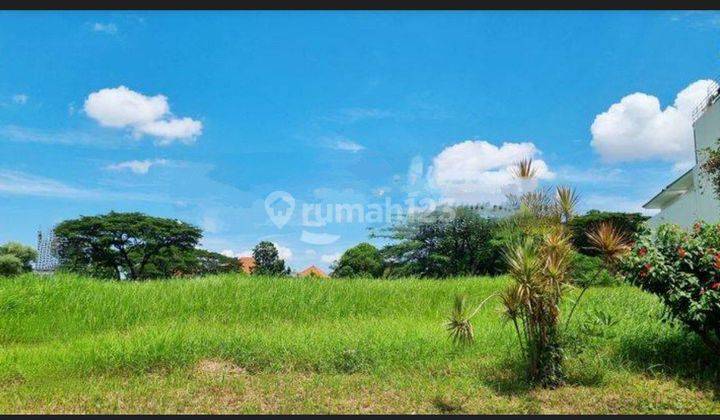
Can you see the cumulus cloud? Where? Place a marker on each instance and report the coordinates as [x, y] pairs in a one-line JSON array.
[[637, 128], [140, 167], [233, 254], [108, 28], [478, 171], [143, 115]]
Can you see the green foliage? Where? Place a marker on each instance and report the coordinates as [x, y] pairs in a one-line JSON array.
[[267, 261], [362, 260], [711, 167], [628, 223], [127, 245], [683, 269], [207, 262], [10, 265], [591, 271], [452, 241], [14, 253]]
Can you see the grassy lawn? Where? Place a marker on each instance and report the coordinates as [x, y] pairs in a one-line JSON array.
[[238, 344]]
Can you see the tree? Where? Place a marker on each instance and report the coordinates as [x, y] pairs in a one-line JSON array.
[[267, 261], [451, 241], [24, 254], [208, 262], [362, 260], [126, 245]]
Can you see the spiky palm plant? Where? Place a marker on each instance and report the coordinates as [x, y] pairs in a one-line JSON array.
[[540, 273], [566, 199], [524, 169], [459, 323], [612, 243]]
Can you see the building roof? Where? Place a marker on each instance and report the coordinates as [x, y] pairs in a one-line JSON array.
[[247, 264], [670, 193], [312, 271]]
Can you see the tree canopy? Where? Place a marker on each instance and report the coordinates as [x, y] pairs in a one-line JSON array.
[[127, 245], [267, 260], [452, 241], [362, 260]]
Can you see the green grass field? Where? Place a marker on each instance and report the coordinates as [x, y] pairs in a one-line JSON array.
[[239, 344]]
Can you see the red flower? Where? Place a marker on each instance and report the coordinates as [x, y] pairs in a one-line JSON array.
[[642, 251], [717, 261], [681, 252], [645, 270], [715, 286]]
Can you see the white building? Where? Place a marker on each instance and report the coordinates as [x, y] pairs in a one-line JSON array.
[[691, 197]]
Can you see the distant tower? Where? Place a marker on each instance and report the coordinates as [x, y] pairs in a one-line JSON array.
[[47, 260]]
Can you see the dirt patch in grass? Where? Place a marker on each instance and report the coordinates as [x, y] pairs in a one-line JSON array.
[[218, 368]]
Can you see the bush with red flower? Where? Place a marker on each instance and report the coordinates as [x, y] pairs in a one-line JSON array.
[[683, 269]]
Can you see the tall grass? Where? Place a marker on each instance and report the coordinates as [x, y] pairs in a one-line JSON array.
[[65, 325]]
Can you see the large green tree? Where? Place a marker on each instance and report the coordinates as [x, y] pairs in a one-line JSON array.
[[267, 260], [451, 241], [127, 245], [362, 260]]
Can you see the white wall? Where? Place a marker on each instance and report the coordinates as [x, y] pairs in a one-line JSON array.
[[700, 203]]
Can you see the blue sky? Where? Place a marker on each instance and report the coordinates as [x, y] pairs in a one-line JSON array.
[[201, 115]]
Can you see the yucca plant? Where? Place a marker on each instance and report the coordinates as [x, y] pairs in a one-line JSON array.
[[566, 199], [539, 270], [540, 274], [458, 323], [524, 169], [611, 243]]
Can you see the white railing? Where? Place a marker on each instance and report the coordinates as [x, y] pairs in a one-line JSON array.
[[713, 91]]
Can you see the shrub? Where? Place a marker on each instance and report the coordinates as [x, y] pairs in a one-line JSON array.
[[683, 269], [628, 223], [10, 265], [16, 258]]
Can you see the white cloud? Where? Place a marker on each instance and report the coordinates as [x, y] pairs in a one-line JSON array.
[[137, 166], [330, 258], [183, 129], [20, 183], [232, 254], [636, 128], [20, 98], [348, 145], [144, 115], [284, 252], [478, 171], [108, 28]]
